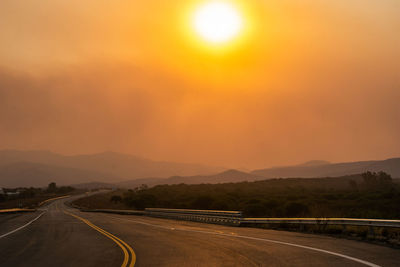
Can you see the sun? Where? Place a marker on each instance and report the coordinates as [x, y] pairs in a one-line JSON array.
[[217, 22]]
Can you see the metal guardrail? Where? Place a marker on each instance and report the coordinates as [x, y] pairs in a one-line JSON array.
[[16, 210], [200, 212], [235, 217], [122, 212], [324, 221], [208, 216]]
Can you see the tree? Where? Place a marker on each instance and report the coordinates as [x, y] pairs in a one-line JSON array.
[[116, 199], [379, 180], [353, 185], [384, 178], [295, 209], [203, 202], [369, 178], [52, 187]]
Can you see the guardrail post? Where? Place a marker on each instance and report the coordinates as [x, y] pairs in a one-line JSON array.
[[371, 230]]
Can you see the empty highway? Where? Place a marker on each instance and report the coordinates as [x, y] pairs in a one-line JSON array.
[[57, 235]]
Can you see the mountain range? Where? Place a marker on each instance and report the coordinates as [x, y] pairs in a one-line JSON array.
[[38, 168], [110, 169], [311, 169], [315, 169], [228, 176]]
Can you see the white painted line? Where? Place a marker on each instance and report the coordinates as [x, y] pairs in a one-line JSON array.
[[23, 226], [367, 263]]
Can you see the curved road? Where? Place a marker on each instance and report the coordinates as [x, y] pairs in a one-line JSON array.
[[60, 236]]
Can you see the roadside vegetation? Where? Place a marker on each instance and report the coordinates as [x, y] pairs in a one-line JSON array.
[[370, 195], [31, 197], [109, 200]]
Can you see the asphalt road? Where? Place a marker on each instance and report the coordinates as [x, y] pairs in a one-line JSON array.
[[60, 236]]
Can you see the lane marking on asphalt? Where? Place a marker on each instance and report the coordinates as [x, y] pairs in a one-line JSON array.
[[52, 199], [23, 226], [367, 263], [129, 257]]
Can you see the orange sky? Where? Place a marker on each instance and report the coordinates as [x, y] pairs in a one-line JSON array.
[[311, 79]]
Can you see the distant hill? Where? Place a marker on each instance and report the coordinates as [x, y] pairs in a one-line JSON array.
[[310, 169], [27, 174], [325, 169], [94, 185], [138, 182], [315, 163], [38, 168], [229, 176], [109, 167]]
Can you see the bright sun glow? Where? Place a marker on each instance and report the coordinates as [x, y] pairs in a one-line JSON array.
[[217, 22]]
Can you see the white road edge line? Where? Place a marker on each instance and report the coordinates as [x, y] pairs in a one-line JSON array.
[[23, 226], [258, 239]]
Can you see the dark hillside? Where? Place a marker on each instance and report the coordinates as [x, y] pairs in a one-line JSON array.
[[326, 169], [371, 196]]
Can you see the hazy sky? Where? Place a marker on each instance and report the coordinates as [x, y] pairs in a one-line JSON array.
[[312, 79]]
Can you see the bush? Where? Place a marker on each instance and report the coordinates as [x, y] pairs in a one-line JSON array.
[[296, 209], [316, 197], [116, 199]]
